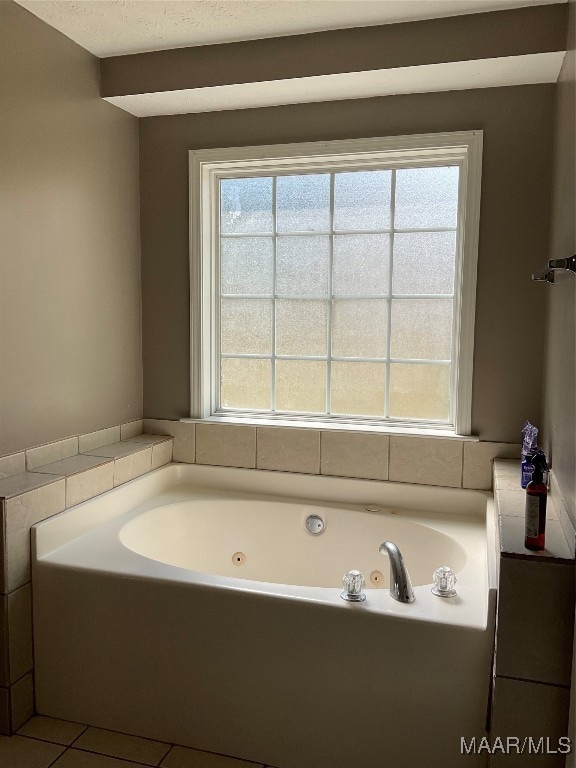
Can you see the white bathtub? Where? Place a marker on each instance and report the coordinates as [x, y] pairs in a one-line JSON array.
[[192, 606]]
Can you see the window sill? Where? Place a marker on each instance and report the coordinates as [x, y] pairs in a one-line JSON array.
[[328, 426]]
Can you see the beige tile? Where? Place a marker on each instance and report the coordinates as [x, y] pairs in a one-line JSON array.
[[71, 466], [289, 450], [226, 445], [4, 712], [26, 481], [46, 454], [130, 429], [510, 502], [478, 458], [354, 454], [120, 745], [512, 540], [162, 454], [3, 554], [183, 433], [507, 474], [20, 632], [426, 461], [19, 752], [75, 758], [4, 656], [51, 729], [180, 757], [117, 450], [21, 513], [535, 620], [97, 439], [12, 465], [128, 467], [86, 485], [514, 503], [22, 701], [148, 439], [529, 710]]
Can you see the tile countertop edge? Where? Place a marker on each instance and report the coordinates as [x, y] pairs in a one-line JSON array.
[[26, 482], [511, 527]]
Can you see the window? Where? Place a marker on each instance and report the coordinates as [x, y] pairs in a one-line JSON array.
[[336, 281]]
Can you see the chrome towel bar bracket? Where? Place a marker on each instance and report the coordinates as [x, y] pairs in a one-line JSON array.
[[547, 274]]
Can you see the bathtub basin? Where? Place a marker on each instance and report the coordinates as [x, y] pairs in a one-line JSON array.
[[192, 606]]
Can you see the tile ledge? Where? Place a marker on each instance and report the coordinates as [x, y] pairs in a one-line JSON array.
[[321, 426], [26, 482], [563, 552], [97, 461]]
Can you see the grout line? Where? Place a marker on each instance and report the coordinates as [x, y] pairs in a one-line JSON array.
[[162, 761], [59, 756], [68, 747], [114, 757], [534, 682], [80, 734]]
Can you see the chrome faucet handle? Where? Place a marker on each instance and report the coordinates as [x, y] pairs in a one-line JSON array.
[[400, 584], [353, 582], [444, 582]]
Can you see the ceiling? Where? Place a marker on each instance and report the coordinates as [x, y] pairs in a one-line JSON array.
[[117, 27]]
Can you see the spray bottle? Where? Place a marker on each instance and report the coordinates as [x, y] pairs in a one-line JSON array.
[[529, 448], [536, 497]]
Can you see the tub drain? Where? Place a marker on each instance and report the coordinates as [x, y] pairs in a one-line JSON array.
[[238, 558]]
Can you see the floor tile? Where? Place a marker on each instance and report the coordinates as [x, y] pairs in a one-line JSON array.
[[180, 757], [75, 758], [50, 729], [120, 745], [19, 752]]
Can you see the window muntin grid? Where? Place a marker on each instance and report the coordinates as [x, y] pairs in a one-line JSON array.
[[377, 361]]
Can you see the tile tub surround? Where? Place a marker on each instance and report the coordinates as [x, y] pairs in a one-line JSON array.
[[44, 742], [31, 491], [536, 599], [369, 454], [86, 476]]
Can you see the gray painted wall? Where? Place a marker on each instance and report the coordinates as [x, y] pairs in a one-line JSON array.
[[514, 229], [560, 365], [70, 308], [560, 369]]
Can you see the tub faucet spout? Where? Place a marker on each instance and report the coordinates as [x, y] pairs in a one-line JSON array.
[[400, 585]]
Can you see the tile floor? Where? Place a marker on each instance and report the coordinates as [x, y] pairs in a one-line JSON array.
[[48, 743]]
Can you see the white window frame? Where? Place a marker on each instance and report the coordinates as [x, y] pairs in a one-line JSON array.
[[207, 166]]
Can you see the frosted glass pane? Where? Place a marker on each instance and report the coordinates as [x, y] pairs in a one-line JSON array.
[[362, 200], [421, 329], [302, 265], [359, 328], [301, 386], [426, 197], [358, 389], [424, 262], [246, 265], [246, 326], [303, 203], [245, 383], [420, 391], [246, 205], [301, 327], [361, 264]]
